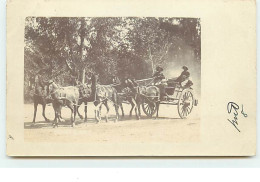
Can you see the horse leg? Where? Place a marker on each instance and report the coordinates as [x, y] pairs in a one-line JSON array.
[[86, 110], [106, 105], [43, 112], [136, 113], [117, 113], [138, 107], [120, 104], [139, 110], [55, 119], [132, 107], [77, 108], [96, 114], [75, 112], [55, 107], [35, 111], [70, 105], [59, 113], [122, 109], [97, 111], [59, 107], [157, 108]]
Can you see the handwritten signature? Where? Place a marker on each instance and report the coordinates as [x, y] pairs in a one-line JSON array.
[[233, 108]]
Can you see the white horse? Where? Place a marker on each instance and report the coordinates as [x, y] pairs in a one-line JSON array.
[[61, 96]]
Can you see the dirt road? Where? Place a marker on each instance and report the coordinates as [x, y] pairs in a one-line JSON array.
[[167, 128]]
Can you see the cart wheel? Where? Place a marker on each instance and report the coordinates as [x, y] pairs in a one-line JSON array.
[[149, 108], [185, 103]]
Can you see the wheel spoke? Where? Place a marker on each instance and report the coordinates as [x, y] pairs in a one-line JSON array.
[[152, 107], [182, 112], [148, 110], [185, 103], [188, 110], [186, 94]]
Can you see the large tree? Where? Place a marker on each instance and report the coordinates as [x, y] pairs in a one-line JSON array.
[[67, 48]]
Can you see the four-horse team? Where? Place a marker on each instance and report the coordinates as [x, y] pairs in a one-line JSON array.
[[150, 95]]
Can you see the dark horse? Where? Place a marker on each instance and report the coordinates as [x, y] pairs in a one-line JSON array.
[[40, 95], [126, 92], [143, 94], [86, 94]]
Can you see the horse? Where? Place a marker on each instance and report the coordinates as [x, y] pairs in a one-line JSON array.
[[141, 94], [86, 94], [84, 97], [40, 95], [61, 96], [105, 93], [126, 92]]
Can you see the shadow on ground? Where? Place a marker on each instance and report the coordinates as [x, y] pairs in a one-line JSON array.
[[67, 122]]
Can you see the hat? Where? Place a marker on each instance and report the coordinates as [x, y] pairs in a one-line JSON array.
[[185, 67], [158, 68], [51, 81]]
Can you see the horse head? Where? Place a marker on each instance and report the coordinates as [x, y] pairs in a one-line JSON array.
[[52, 86], [130, 83]]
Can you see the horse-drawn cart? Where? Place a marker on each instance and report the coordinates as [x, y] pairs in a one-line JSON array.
[[170, 93]]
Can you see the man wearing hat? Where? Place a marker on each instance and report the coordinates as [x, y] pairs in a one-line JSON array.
[[184, 79], [184, 75], [158, 75]]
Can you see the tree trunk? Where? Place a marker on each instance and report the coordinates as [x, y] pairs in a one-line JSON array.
[[83, 73], [152, 64], [82, 37]]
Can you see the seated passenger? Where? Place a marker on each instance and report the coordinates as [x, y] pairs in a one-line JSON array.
[[184, 75], [158, 78], [184, 79], [158, 75]]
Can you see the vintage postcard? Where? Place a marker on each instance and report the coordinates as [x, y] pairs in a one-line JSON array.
[[131, 78]]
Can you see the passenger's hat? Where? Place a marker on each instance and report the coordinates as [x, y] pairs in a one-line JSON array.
[[158, 68], [185, 67]]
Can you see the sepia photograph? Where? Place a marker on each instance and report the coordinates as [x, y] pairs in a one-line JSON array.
[[131, 78], [112, 79]]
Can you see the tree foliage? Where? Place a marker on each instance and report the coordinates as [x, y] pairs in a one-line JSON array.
[[68, 48]]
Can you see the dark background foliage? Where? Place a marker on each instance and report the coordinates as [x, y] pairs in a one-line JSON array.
[[71, 47]]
